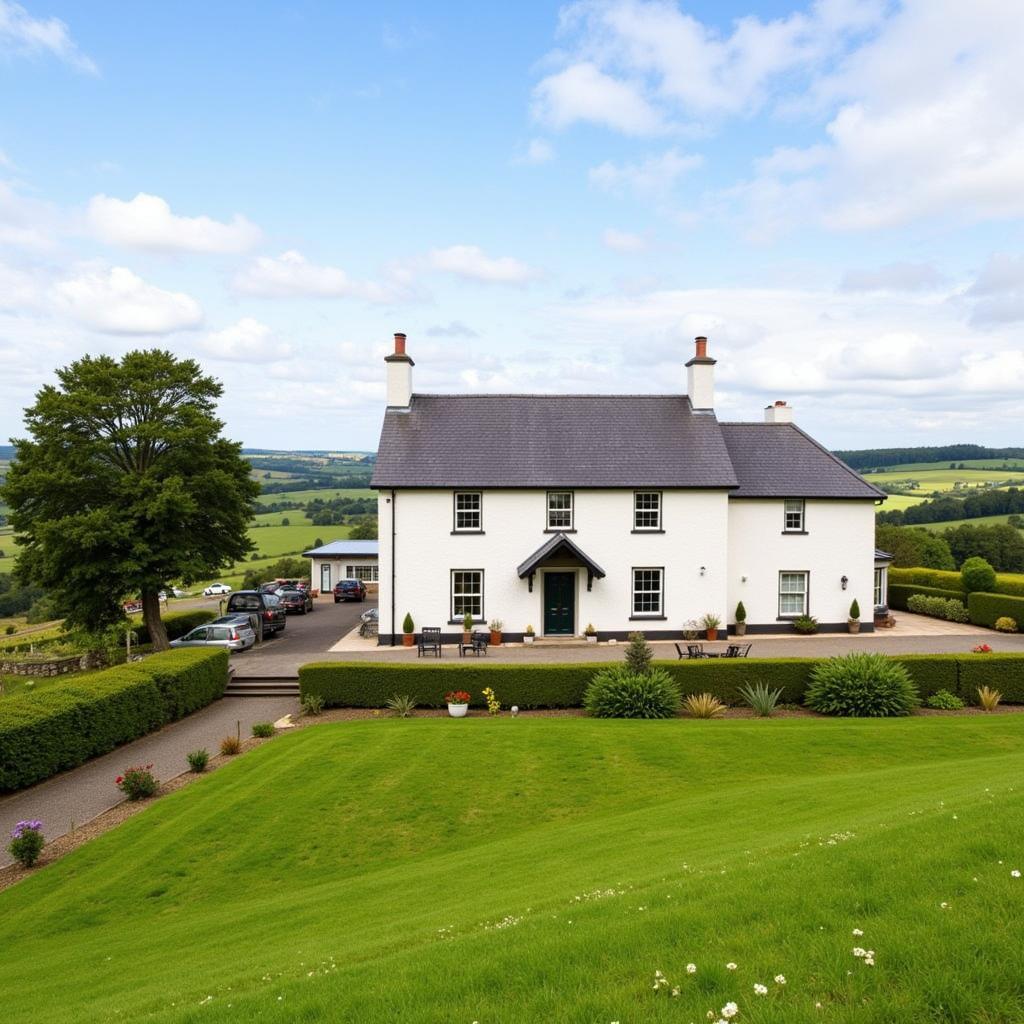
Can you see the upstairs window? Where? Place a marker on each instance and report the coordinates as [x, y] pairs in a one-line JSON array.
[[647, 510], [793, 516], [560, 511], [468, 512]]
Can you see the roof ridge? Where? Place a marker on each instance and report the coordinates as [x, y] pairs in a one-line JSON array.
[[543, 394]]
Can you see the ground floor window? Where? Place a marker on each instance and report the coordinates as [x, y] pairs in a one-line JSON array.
[[647, 591], [467, 593], [880, 588], [366, 573], [325, 576], [793, 593]]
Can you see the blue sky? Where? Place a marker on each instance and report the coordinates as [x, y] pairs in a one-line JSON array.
[[543, 197]]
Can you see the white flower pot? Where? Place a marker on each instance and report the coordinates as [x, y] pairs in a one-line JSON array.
[[458, 710], [528, 638], [591, 638]]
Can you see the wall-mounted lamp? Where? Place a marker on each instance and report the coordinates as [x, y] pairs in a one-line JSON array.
[[743, 579], [843, 581], [703, 570]]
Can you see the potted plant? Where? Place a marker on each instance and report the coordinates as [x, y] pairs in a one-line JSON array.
[[458, 703], [690, 630], [408, 627], [853, 622], [710, 623], [590, 633], [467, 628], [529, 635], [741, 620], [495, 626]]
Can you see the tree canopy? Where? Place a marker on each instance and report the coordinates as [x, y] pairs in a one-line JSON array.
[[125, 484]]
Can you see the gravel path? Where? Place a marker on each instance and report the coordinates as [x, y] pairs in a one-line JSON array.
[[77, 796]]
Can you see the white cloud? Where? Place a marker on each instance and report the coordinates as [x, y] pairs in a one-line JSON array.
[[245, 341], [455, 329], [116, 301], [624, 241], [291, 275], [25, 222], [901, 277], [470, 261], [538, 151], [22, 34], [146, 222], [652, 176], [998, 291], [582, 92]]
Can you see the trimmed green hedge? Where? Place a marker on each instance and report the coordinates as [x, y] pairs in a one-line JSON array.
[[48, 731], [369, 684], [1011, 583], [900, 593], [1000, 671], [178, 623], [986, 608]]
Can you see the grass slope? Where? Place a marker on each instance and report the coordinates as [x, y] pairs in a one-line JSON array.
[[544, 869], [980, 521]]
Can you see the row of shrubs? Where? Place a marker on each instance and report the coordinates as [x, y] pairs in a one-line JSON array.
[[369, 684], [1005, 582], [947, 608], [177, 623], [53, 729], [996, 611]]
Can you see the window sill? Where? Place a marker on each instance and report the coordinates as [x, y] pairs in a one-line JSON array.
[[798, 533], [648, 618], [459, 533], [790, 618], [556, 530], [647, 531], [458, 622]]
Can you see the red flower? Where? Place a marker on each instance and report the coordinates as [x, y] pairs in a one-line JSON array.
[[119, 780]]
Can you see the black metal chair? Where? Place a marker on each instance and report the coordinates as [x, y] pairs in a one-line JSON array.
[[737, 651], [430, 641], [477, 645]]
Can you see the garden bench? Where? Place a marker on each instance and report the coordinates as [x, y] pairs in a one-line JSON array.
[[737, 651]]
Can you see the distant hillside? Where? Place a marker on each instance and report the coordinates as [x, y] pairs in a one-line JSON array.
[[873, 458]]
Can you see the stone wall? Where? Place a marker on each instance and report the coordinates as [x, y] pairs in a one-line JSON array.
[[44, 667]]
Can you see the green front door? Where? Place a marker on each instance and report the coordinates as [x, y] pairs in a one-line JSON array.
[[559, 603]]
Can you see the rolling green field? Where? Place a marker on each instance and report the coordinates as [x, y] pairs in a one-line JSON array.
[[939, 477], [980, 521], [544, 869], [900, 501], [323, 493]]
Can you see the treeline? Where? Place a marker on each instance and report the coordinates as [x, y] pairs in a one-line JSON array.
[[356, 479], [873, 458], [18, 598], [335, 511], [1001, 545], [946, 510]]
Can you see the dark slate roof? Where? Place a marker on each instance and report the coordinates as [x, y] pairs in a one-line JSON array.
[[778, 460], [344, 547], [551, 441], [883, 556], [559, 544]]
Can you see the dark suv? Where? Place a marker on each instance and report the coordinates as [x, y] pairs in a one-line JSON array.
[[296, 600], [349, 590], [267, 607]]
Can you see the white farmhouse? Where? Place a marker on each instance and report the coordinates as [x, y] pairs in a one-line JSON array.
[[626, 512]]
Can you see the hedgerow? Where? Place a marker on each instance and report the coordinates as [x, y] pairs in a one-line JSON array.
[[901, 593], [48, 731], [937, 607], [985, 609]]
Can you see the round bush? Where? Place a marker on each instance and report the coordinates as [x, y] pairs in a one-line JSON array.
[[862, 686], [1006, 625], [619, 693], [977, 574]]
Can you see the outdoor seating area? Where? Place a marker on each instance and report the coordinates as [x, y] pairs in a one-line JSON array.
[[695, 650]]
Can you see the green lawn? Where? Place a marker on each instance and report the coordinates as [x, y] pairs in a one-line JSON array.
[[980, 521], [325, 494], [543, 870], [900, 501]]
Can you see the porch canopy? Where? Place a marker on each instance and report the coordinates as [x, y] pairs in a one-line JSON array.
[[559, 549]]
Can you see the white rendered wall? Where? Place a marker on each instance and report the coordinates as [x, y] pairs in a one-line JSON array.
[[840, 541], [695, 525], [338, 566]]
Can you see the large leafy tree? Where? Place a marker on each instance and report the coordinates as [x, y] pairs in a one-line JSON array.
[[126, 484]]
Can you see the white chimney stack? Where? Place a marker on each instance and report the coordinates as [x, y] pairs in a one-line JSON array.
[[778, 412], [399, 375], [700, 377]]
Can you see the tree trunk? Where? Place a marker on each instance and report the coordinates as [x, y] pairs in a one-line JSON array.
[[154, 624]]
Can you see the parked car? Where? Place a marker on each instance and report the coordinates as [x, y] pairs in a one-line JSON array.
[[267, 606], [173, 592], [296, 600], [349, 590], [234, 634], [216, 588], [270, 587]]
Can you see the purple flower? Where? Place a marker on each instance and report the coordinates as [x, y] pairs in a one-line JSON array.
[[26, 826]]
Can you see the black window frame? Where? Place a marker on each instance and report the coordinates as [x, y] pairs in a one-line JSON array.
[[661, 511], [802, 528], [571, 528], [479, 528], [647, 613], [455, 618]]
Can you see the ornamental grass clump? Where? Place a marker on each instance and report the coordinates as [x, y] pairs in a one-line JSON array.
[[26, 842], [400, 705], [761, 698], [198, 760], [703, 705], [988, 698], [861, 686], [230, 745], [263, 730], [137, 783], [619, 692]]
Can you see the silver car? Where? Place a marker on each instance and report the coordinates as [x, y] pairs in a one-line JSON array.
[[235, 636]]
